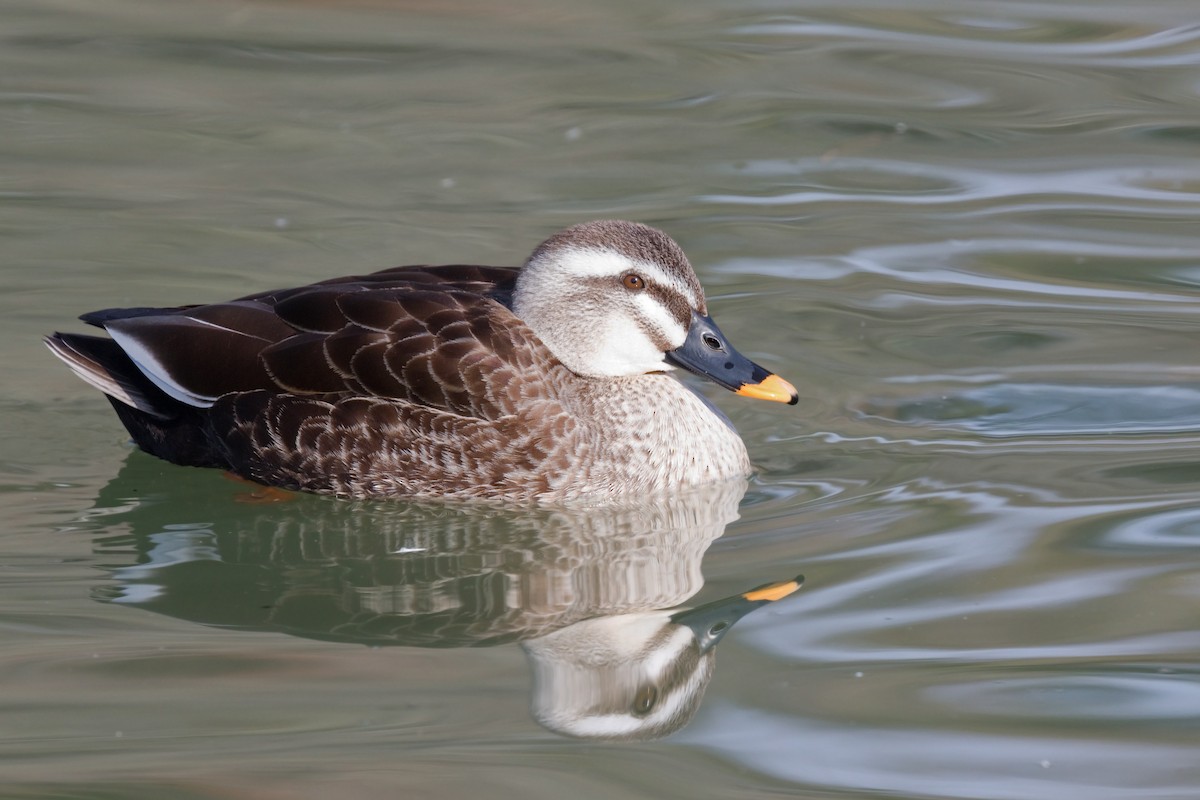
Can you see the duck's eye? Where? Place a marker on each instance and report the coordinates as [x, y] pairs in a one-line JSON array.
[[644, 700], [633, 282]]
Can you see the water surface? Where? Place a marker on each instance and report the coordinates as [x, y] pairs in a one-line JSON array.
[[965, 230]]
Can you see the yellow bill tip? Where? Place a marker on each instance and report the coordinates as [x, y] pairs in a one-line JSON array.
[[772, 387], [774, 591]]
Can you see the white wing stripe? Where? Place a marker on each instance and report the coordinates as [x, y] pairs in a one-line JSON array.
[[153, 369]]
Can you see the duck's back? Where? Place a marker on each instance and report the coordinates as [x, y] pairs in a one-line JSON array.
[[298, 386]]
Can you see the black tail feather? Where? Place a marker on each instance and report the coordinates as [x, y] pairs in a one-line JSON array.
[[183, 439], [102, 364], [158, 423]]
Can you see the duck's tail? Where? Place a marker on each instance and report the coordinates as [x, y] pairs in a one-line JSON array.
[[159, 424], [103, 365]]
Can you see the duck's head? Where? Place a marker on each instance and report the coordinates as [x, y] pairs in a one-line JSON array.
[[614, 298], [638, 675]]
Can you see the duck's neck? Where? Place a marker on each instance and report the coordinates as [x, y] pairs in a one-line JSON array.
[[651, 433]]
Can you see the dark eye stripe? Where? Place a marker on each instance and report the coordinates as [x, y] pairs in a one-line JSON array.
[[651, 327], [674, 302]]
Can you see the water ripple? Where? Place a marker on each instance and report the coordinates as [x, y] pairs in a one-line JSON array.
[[1017, 409], [1171, 530], [1131, 696], [941, 270], [944, 762], [926, 184], [1172, 47]]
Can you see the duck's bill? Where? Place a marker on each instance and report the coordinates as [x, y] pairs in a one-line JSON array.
[[771, 387], [708, 353], [711, 621]]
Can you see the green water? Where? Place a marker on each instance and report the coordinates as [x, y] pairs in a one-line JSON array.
[[965, 230]]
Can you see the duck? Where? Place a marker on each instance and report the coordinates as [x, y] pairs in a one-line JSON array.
[[548, 383]]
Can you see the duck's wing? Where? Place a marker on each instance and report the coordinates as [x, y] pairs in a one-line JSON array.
[[440, 337]]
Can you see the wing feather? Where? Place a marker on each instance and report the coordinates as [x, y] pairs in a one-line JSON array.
[[440, 337], [314, 310], [299, 365]]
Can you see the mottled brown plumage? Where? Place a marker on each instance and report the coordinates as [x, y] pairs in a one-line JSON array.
[[422, 381]]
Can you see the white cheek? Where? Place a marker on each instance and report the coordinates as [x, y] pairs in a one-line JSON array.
[[625, 350]]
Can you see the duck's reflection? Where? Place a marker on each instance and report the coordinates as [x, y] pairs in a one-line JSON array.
[[591, 595]]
